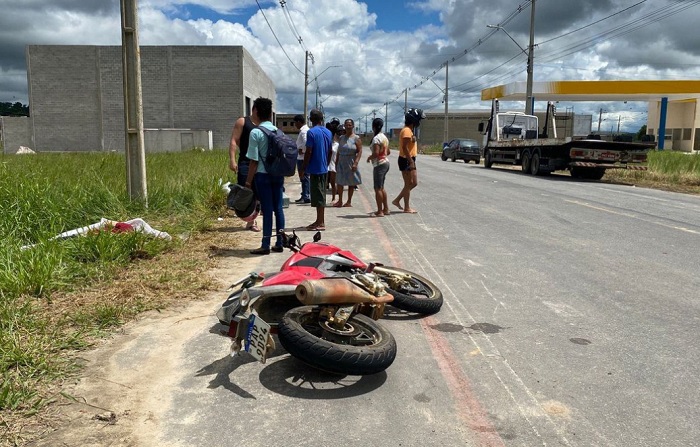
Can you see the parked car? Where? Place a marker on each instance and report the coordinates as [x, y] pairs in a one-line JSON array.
[[462, 149]]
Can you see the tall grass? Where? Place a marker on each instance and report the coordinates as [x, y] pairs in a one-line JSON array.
[[46, 194], [669, 168]]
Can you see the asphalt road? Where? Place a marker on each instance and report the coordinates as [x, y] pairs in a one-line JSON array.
[[570, 318]]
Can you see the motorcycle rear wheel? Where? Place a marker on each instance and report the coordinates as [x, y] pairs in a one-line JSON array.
[[362, 347], [418, 295]]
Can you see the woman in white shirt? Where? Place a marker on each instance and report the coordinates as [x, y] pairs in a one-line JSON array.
[[380, 151]]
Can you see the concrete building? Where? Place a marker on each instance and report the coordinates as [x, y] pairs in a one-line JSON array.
[[195, 92]]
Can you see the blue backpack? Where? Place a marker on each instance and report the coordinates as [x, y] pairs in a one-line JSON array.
[[281, 159]]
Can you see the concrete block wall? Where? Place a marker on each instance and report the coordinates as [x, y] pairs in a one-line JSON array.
[[255, 82], [76, 92], [16, 132], [64, 98]]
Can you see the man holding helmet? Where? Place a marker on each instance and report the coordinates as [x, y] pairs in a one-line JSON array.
[[408, 149]]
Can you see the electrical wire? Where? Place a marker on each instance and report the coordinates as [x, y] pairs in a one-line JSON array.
[[278, 41]]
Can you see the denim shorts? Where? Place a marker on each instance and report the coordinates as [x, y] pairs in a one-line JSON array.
[[379, 174]]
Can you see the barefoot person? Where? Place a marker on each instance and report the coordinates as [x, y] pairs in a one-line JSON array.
[[319, 141], [349, 155], [380, 151], [408, 149]]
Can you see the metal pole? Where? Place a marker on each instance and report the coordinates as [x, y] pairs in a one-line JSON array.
[[386, 118], [405, 100], [447, 72], [306, 84], [530, 56], [600, 118], [133, 104]]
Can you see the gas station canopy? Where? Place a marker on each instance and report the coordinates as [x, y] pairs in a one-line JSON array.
[[596, 91]]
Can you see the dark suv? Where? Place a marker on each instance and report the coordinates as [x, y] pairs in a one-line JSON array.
[[462, 149]]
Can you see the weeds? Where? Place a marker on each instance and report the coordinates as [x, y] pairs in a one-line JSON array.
[[46, 194]]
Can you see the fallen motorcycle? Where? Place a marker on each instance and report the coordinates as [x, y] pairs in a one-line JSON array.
[[324, 303]]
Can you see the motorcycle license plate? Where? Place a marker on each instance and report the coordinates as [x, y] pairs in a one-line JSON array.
[[256, 338]]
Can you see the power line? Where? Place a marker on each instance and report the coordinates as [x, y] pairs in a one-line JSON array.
[[592, 23], [466, 51], [278, 41]]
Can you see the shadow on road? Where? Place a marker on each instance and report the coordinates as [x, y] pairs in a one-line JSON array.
[[285, 375], [290, 377]]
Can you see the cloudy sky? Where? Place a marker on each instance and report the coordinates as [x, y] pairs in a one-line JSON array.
[[366, 53]]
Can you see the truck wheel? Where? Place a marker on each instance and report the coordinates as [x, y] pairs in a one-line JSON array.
[[444, 157], [488, 159], [525, 162], [454, 158], [576, 172], [595, 173], [535, 164]]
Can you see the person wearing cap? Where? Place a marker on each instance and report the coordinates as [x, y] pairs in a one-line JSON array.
[[300, 124], [380, 151]]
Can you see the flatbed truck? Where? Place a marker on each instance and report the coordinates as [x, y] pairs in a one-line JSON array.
[[514, 138]]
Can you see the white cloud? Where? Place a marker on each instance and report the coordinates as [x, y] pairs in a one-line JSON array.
[[376, 66]]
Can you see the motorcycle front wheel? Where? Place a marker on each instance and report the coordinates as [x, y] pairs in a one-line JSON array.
[[416, 295], [361, 347]]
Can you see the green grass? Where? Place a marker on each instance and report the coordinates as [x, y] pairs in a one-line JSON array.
[[46, 194]]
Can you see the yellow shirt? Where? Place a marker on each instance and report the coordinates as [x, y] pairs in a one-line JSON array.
[[412, 145]]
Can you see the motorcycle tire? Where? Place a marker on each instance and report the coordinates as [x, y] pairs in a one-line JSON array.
[[419, 296], [365, 348]]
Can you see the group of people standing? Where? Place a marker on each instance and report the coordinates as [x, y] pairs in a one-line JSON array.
[[328, 157], [346, 154]]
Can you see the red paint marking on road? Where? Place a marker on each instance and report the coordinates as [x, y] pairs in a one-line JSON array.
[[466, 403]]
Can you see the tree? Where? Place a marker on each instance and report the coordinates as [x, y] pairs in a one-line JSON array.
[[16, 109], [642, 131]]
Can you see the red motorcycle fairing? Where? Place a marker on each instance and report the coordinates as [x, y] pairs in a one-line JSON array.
[[292, 276], [321, 250]]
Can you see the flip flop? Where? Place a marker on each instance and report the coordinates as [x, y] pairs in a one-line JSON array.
[[396, 204], [375, 214], [316, 228]]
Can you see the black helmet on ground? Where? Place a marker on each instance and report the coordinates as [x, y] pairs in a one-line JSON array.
[[413, 116]]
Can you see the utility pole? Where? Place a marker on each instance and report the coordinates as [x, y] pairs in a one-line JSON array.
[[306, 84], [447, 72], [618, 124], [405, 100], [600, 119], [530, 56], [386, 117], [133, 104]]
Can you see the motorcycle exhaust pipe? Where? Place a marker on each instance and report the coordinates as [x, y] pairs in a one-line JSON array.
[[336, 291]]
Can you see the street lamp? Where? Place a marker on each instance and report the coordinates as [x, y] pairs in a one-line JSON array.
[[529, 53], [318, 76], [307, 82]]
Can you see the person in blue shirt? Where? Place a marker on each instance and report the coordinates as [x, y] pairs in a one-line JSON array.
[[268, 187], [319, 144]]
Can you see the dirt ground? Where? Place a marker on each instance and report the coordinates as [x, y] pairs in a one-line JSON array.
[[114, 403]]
